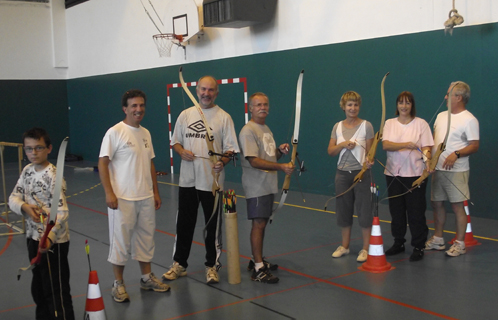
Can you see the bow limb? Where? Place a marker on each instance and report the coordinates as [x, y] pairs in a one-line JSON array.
[[295, 140], [53, 207], [378, 136], [440, 148], [209, 134]]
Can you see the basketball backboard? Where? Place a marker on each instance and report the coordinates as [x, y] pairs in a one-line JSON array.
[[183, 18]]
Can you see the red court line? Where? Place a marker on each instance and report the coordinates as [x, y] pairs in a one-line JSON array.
[[307, 249], [369, 294], [77, 205], [18, 308], [238, 302], [317, 280], [306, 276]]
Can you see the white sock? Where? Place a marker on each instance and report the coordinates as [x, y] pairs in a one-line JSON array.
[[145, 277], [461, 243], [441, 239], [258, 265]]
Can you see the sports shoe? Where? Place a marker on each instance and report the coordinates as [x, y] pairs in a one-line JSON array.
[[395, 249], [153, 284], [264, 275], [362, 255], [339, 252], [435, 244], [118, 292], [271, 266], [212, 275], [175, 271], [456, 249], [417, 255]]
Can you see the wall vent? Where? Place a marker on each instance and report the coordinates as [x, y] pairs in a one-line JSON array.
[[237, 13]]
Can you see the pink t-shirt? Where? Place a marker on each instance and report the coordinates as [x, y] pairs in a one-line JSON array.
[[406, 162]]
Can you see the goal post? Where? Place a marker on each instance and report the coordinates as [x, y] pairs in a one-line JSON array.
[[13, 228]]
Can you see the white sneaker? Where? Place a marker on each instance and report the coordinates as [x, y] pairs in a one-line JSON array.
[[118, 292], [362, 255], [456, 249], [435, 244], [212, 275], [340, 251], [154, 284], [175, 271]]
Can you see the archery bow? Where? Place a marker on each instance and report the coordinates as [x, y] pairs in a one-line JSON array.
[[373, 149], [53, 207], [209, 135], [440, 148], [295, 140]]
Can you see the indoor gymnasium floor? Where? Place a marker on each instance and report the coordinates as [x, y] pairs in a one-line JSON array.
[[301, 240]]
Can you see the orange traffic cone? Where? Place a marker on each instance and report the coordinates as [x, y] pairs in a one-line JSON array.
[[94, 308], [376, 260], [469, 237]]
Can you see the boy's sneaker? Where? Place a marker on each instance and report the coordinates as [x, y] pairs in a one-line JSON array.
[[362, 255], [264, 275], [212, 275], [175, 271], [153, 284], [118, 292], [271, 266], [435, 244], [456, 249], [339, 252]]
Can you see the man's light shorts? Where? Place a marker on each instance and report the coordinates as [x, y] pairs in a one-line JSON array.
[[131, 230], [450, 186]]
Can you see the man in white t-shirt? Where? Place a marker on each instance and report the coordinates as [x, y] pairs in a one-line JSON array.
[[197, 174], [259, 179], [129, 179], [450, 180]]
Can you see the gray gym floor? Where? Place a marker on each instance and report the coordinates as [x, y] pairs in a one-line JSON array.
[[300, 240]]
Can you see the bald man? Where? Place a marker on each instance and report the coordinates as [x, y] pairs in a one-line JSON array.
[[196, 177]]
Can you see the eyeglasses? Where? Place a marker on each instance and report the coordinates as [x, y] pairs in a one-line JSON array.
[[37, 148]]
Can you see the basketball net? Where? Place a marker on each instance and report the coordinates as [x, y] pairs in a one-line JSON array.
[[164, 43]]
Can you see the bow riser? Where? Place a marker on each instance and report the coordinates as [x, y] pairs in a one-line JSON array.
[[293, 160]]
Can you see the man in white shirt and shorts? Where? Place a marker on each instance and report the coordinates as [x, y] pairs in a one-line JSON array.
[[129, 179], [450, 181]]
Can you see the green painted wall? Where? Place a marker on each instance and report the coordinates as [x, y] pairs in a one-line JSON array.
[[30, 103], [423, 63]]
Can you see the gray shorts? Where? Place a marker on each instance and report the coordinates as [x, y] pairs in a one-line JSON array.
[[450, 186], [357, 201], [260, 207]]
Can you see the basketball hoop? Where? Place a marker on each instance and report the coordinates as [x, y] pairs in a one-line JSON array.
[[164, 42]]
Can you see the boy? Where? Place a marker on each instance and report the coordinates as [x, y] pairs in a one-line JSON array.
[[32, 198]]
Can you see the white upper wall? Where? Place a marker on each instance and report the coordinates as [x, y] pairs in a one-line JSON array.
[[111, 36]]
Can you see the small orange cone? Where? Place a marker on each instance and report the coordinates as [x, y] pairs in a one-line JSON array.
[[469, 237], [94, 308], [376, 260]]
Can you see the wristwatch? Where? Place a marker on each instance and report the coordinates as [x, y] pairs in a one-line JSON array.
[[457, 154]]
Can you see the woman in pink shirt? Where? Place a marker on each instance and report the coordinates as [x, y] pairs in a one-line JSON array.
[[408, 141]]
